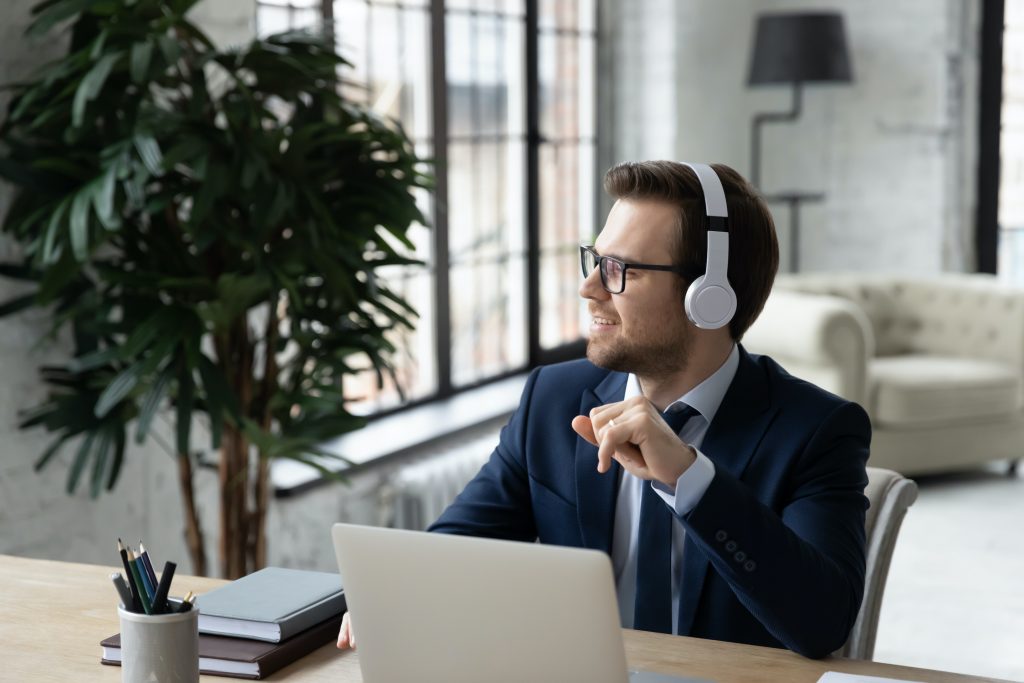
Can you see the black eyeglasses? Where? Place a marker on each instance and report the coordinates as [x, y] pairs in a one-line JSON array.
[[613, 270]]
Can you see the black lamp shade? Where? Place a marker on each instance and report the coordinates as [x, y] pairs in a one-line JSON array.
[[800, 48]]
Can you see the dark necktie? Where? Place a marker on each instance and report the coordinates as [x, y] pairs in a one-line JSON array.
[[652, 610]]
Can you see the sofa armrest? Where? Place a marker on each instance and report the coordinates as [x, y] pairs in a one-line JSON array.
[[823, 339]]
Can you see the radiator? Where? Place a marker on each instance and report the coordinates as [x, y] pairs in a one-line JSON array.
[[417, 494]]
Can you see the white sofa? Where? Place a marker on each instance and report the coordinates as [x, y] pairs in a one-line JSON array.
[[937, 361]]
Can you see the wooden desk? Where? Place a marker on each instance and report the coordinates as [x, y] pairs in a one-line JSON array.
[[53, 616]]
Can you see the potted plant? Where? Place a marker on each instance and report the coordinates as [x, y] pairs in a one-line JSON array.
[[207, 225]]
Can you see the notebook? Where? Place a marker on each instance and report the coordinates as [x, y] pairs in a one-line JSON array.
[[271, 604], [244, 658], [435, 607]]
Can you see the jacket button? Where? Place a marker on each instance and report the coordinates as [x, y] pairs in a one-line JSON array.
[[720, 536], [740, 556], [731, 546], [750, 565]]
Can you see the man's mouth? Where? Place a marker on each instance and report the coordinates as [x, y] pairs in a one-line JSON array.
[[603, 321]]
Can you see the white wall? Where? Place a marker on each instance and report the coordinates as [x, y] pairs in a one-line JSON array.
[[894, 151], [645, 75]]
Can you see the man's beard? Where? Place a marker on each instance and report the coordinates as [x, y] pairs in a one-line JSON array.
[[667, 354]]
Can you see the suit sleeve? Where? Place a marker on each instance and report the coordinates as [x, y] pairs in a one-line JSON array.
[[496, 503], [799, 572]]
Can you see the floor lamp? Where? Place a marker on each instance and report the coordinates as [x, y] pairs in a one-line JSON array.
[[794, 48]]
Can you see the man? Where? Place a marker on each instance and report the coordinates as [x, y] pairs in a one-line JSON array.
[[744, 521]]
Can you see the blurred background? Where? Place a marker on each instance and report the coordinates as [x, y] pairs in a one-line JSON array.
[[890, 147]]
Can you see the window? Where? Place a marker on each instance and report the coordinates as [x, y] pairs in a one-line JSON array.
[[500, 93], [275, 16]]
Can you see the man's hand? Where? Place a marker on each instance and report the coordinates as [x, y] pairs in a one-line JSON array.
[[633, 433], [345, 638]]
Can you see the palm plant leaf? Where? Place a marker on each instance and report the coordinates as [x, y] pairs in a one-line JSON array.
[[205, 225]]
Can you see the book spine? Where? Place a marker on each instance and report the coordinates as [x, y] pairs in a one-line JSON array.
[[315, 614], [301, 645]]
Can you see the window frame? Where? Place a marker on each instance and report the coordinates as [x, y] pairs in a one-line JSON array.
[[986, 236]]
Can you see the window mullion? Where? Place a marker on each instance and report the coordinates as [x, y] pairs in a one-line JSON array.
[[442, 294], [533, 140]]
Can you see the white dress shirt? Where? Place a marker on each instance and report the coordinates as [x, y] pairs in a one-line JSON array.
[[705, 398]]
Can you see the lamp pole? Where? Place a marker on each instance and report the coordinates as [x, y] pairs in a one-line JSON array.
[[770, 117], [791, 199]]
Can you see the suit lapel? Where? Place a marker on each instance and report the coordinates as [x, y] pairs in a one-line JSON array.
[[741, 420], [730, 442], [596, 492]]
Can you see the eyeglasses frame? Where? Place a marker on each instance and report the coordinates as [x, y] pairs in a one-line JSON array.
[[585, 249]]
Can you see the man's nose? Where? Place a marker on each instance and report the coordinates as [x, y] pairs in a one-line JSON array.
[[591, 288]]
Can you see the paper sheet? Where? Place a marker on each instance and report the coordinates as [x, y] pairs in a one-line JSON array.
[[836, 677]]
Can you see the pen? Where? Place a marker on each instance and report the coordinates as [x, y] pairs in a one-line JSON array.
[[135, 605], [150, 574], [138, 582], [122, 590], [160, 599]]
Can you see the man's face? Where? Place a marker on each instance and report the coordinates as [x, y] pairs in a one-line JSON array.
[[644, 329]]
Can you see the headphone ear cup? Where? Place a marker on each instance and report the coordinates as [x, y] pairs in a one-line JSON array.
[[690, 298], [709, 304]]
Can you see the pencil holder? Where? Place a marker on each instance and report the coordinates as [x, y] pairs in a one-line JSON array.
[[159, 647]]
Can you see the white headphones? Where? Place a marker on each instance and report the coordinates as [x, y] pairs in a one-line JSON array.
[[710, 300]]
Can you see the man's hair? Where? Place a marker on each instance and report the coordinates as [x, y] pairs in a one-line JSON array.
[[753, 247]]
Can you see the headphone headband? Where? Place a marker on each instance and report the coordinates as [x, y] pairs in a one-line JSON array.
[[711, 186]]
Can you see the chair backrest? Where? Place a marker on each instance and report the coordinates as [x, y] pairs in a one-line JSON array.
[[889, 495]]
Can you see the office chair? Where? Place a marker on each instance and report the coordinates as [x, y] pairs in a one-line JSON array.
[[889, 495]]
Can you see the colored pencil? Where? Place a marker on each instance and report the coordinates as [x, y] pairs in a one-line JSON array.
[[136, 604], [149, 590], [150, 574], [138, 582]]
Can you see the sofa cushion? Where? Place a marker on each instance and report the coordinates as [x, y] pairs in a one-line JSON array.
[[920, 389]]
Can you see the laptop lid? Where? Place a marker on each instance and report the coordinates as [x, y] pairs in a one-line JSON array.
[[436, 607]]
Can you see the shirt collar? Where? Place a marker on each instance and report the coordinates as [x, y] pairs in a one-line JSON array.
[[707, 396]]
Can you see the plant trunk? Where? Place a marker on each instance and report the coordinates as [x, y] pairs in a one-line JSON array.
[[234, 504], [193, 531], [261, 486], [242, 508], [258, 522]]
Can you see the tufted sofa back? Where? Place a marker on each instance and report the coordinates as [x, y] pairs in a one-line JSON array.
[[950, 314]]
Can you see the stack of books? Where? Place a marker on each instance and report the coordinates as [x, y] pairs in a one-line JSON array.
[[260, 623]]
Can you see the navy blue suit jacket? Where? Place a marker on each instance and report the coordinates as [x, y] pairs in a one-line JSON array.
[[774, 551]]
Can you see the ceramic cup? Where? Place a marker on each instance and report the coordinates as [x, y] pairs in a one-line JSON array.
[[159, 647]]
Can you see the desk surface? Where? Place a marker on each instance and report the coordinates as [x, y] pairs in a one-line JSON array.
[[53, 616]]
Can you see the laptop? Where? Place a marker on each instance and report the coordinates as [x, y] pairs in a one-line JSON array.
[[436, 607]]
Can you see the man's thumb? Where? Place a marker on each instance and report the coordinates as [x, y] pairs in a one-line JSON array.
[[582, 425]]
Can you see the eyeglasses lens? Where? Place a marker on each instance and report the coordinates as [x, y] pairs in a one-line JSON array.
[[612, 274]]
